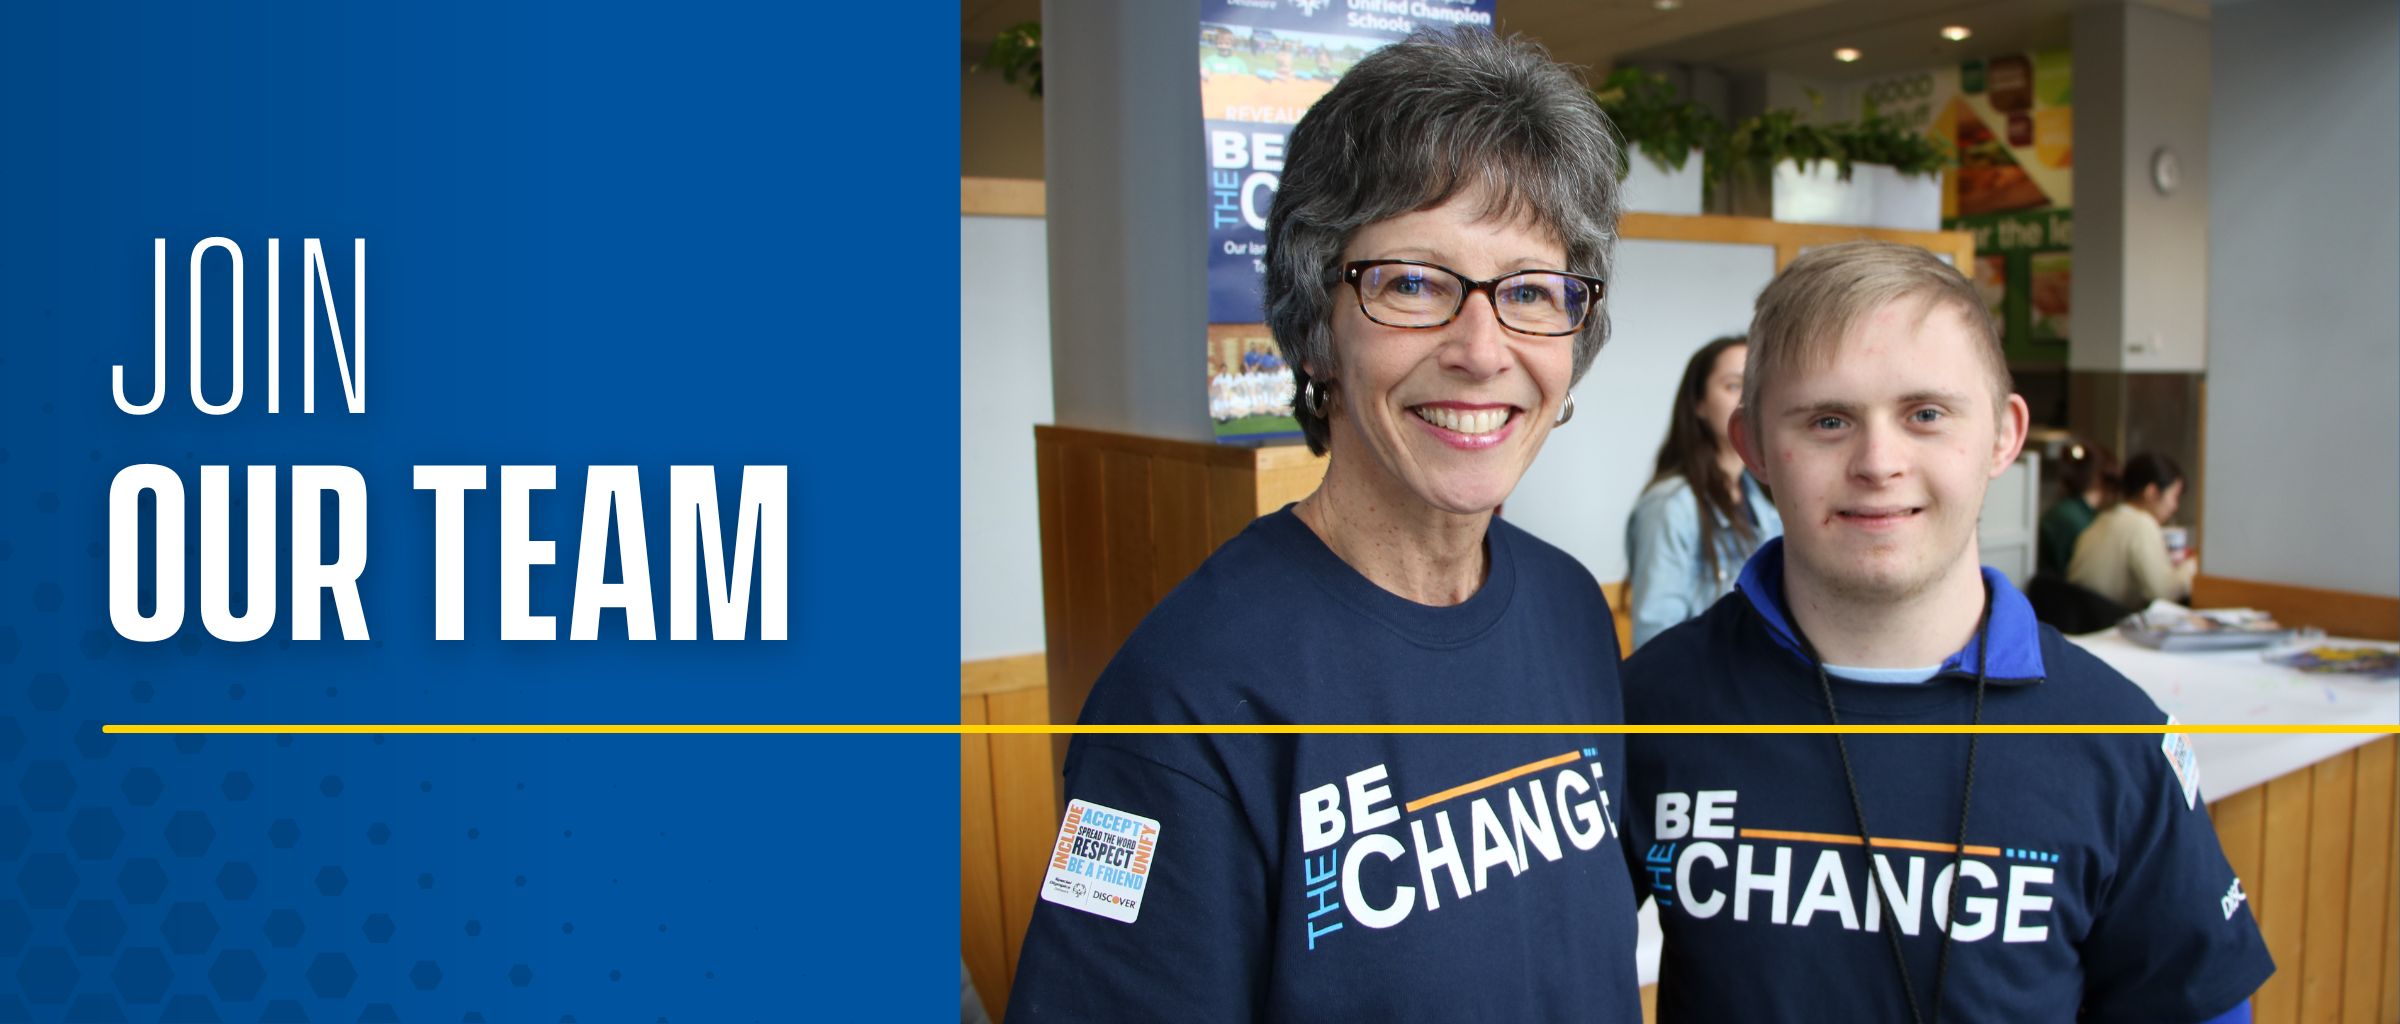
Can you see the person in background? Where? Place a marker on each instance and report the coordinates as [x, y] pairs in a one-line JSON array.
[[2089, 473], [2123, 556], [1225, 61], [1702, 514], [1436, 261]]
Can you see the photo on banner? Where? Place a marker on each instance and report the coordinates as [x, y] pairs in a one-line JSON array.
[[1262, 63]]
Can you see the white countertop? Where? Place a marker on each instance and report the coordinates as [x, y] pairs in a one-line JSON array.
[[2238, 688]]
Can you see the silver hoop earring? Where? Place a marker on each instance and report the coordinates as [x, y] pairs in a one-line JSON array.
[[1566, 411], [1312, 395]]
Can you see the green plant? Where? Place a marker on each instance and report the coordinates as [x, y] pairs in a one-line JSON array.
[[1650, 118], [1755, 146], [1875, 139], [1016, 51]]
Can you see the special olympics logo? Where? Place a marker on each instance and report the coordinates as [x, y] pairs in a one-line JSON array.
[[1309, 8]]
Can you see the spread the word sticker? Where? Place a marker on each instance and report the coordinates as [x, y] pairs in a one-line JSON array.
[[1101, 862]]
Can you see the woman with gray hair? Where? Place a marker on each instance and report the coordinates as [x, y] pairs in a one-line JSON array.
[[1437, 257]]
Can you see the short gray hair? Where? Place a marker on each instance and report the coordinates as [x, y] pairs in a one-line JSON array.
[[1815, 302], [1411, 126]]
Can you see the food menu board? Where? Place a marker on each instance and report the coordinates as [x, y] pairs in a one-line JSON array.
[[2013, 124], [2010, 120]]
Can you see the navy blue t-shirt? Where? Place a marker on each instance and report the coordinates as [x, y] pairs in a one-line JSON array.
[[1345, 877], [2092, 882]]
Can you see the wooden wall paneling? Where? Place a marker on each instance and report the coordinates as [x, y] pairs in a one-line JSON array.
[[992, 675], [1083, 515], [2328, 924], [2391, 926], [1960, 245], [1050, 484], [980, 921], [2337, 612], [2282, 900], [1232, 500], [1619, 596], [1178, 521], [2241, 826], [1003, 197], [1286, 475], [1125, 518], [2366, 954], [1025, 810], [1789, 238]]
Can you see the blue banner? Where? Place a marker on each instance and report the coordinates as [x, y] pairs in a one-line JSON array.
[[1262, 63], [512, 323]]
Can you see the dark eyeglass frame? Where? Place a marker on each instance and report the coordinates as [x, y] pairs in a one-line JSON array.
[[1353, 270]]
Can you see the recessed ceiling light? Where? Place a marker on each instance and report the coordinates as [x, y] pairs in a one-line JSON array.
[[1847, 54], [1956, 33], [1666, 5]]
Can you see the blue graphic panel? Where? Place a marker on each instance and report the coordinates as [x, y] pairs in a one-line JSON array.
[[593, 237]]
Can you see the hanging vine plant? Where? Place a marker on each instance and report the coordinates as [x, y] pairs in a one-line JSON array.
[[1754, 147], [1016, 53], [1649, 117], [1876, 139]]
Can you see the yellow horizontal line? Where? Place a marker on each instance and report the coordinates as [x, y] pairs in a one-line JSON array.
[[935, 729]]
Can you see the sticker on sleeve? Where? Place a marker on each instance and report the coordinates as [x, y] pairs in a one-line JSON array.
[[2178, 747], [1101, 863]]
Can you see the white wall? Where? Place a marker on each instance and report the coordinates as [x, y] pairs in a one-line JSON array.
[[1669, 298], [2304, 369], [1003, 390], [2141, 258]]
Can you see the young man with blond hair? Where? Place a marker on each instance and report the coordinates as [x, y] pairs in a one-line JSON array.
[[2002, 877]]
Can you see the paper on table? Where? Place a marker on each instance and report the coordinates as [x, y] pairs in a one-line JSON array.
[[2237, 688]]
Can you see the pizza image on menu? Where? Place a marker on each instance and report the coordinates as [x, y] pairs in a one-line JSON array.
[[1989, 179]]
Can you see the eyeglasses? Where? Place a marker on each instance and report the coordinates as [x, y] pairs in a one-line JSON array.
[[1413, 293]]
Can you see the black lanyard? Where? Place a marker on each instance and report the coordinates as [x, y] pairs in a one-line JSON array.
[[1966, 797]]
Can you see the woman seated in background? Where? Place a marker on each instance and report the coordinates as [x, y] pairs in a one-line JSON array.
[[1702, 515], [2123, 556], [2089, 473]]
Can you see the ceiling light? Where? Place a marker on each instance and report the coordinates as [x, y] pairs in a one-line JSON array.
[[1956, 33], [1847, 54], [1666, 5]]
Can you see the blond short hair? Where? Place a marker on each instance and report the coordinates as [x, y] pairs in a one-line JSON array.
[[1810, 307]]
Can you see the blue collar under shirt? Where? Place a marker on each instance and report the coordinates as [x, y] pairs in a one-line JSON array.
[[2016, 637]]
